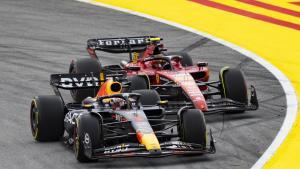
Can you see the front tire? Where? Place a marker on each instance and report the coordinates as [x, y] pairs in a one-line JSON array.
[[87, 137], [193, 127], [234, 85], [47, 118]]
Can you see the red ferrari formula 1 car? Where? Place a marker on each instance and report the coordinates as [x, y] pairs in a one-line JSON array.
[[172, 75]]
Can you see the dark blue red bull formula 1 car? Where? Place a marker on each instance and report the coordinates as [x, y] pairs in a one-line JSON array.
[[114, 124]]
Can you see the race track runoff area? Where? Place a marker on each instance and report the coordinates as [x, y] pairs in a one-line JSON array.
[[264, 28]]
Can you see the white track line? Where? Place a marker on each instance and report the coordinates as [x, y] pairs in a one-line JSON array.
[[291, 97]]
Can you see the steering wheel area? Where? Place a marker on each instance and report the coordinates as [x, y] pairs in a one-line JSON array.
[[120, 101], [163, 62]]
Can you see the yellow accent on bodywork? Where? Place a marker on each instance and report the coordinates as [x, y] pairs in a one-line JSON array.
[[135, 57], [87, 105], [101, 78], [154, 39], [108, 87], [150, 142]]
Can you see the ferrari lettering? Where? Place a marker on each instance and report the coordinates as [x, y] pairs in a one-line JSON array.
[[132, 41], [116, 42], [140, 41]]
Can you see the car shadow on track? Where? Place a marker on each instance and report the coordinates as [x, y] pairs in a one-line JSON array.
[[227, 117], [138, 162]]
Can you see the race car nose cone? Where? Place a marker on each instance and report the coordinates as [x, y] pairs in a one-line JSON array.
[[150, 141]]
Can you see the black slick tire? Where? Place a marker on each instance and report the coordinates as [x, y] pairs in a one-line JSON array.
[[193, 127], [86, 65], [233, 85], [87, 135], [47, 118], [137, 83], [148, 97]]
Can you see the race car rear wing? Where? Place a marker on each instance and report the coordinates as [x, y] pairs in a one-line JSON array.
[[84, 81], [120, 45], [76, 81]]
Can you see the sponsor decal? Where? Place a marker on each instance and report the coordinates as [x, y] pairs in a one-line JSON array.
[[86, 138], [117, 149], [75, 82], [72, 115], [102, 78], [135, 57], [119, 42]]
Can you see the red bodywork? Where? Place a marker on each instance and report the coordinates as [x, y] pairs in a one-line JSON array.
[[183, 76]]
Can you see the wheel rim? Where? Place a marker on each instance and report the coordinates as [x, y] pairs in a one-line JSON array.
[[34, 120]]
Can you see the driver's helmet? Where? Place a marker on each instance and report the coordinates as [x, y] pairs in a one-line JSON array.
[[157, 64], [133, 102], [117, 103]]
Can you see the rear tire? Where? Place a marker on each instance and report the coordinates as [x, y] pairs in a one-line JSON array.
[[151, 97], [88, 134], [193, 127], [47, 118], [186, 58], [86, 65], [148, 97], [137, 83]]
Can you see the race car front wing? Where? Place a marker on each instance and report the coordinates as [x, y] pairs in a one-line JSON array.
[[217, 105], [138, 150]]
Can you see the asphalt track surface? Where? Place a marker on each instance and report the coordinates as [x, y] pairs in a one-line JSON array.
[[41, 37]]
